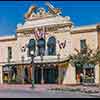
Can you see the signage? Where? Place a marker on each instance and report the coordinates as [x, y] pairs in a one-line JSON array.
[[6, 68]]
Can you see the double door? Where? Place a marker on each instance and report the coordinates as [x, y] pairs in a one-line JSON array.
[[49, 74]]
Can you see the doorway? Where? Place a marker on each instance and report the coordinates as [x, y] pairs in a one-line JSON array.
[[50, 75]]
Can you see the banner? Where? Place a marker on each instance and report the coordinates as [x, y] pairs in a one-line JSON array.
[[39, 34], [62, 44]]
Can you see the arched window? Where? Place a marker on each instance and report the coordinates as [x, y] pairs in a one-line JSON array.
[[51, 46], [41, 46], [31, 46]]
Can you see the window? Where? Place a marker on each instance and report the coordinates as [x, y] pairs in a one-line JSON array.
[[9, 53], [51, 46], [83, 44], [41, 46], [31, 46]]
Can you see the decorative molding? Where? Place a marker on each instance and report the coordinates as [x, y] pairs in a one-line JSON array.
[[9, 39], [84, 29]]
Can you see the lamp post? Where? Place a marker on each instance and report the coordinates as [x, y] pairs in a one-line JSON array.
[[59, 73], [22, 67], [42, 53], [32, 62], [22, 70]]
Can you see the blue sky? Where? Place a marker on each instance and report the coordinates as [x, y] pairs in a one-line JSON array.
[[81, 12]]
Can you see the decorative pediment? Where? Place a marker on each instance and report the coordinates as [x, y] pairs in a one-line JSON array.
[[34, 13], [30, 11]]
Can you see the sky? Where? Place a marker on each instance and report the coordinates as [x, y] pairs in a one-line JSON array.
[[80, 12]]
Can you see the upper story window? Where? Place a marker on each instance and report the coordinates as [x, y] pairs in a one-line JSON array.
[[9, 53], [31, 46], [51, 44], [83, 45], [41, 46]]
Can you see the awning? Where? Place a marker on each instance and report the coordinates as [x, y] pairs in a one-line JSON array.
[[7, 67], [63, 64], [86, 66]]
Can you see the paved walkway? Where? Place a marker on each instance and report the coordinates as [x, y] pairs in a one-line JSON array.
[[45, 87]]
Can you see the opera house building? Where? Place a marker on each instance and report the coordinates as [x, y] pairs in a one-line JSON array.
[[41, 47]]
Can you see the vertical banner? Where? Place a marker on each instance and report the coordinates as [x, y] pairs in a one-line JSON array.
[[61, 46]]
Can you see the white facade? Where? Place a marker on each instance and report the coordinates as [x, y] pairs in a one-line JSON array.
[[61, 28]]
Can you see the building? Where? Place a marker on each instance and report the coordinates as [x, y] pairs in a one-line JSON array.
[[52, 37]]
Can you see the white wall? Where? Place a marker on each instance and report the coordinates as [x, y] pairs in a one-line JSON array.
[[70, 77], [97, 74], [1, 76]]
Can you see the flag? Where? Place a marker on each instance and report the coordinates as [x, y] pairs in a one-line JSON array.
[[62, 44], [39, 34], [36, 34]]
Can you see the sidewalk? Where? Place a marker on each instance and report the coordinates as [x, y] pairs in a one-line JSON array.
[[91, 90]]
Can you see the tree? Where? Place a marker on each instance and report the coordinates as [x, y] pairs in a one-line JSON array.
[[97, 60], [84, 56], [83, 59]]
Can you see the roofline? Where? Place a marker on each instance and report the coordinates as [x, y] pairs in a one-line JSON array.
[[8, 38], [83, 29]]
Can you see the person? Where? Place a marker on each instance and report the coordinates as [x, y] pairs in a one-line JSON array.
[[92, 76], [78, 77], [81, 78]]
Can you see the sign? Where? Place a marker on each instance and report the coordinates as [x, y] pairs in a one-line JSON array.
[[6, 68], [88, 66]]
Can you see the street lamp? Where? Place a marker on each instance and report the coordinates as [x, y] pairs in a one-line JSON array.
[[59, 73], [32, 62], [22, 68], [42, 53]]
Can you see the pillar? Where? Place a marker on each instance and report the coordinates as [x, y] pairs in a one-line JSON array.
[[84, 73], [1, 75], [29, 73], [42, 76], [70, 75], [59, 74], [22, 73], [19, 76], [97, 74]]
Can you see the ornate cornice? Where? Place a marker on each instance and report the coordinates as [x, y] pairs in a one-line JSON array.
[[84, 29], [8, 39], [98, 27]]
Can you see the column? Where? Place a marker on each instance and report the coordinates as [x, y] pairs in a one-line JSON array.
[[18, 74], [29, 73], [59, 74], [99, 74], [84, 73], [42, 78], [22, 74], [46, 48], [1, 75]]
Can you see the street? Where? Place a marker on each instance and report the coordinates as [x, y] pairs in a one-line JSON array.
[[31, 93]]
